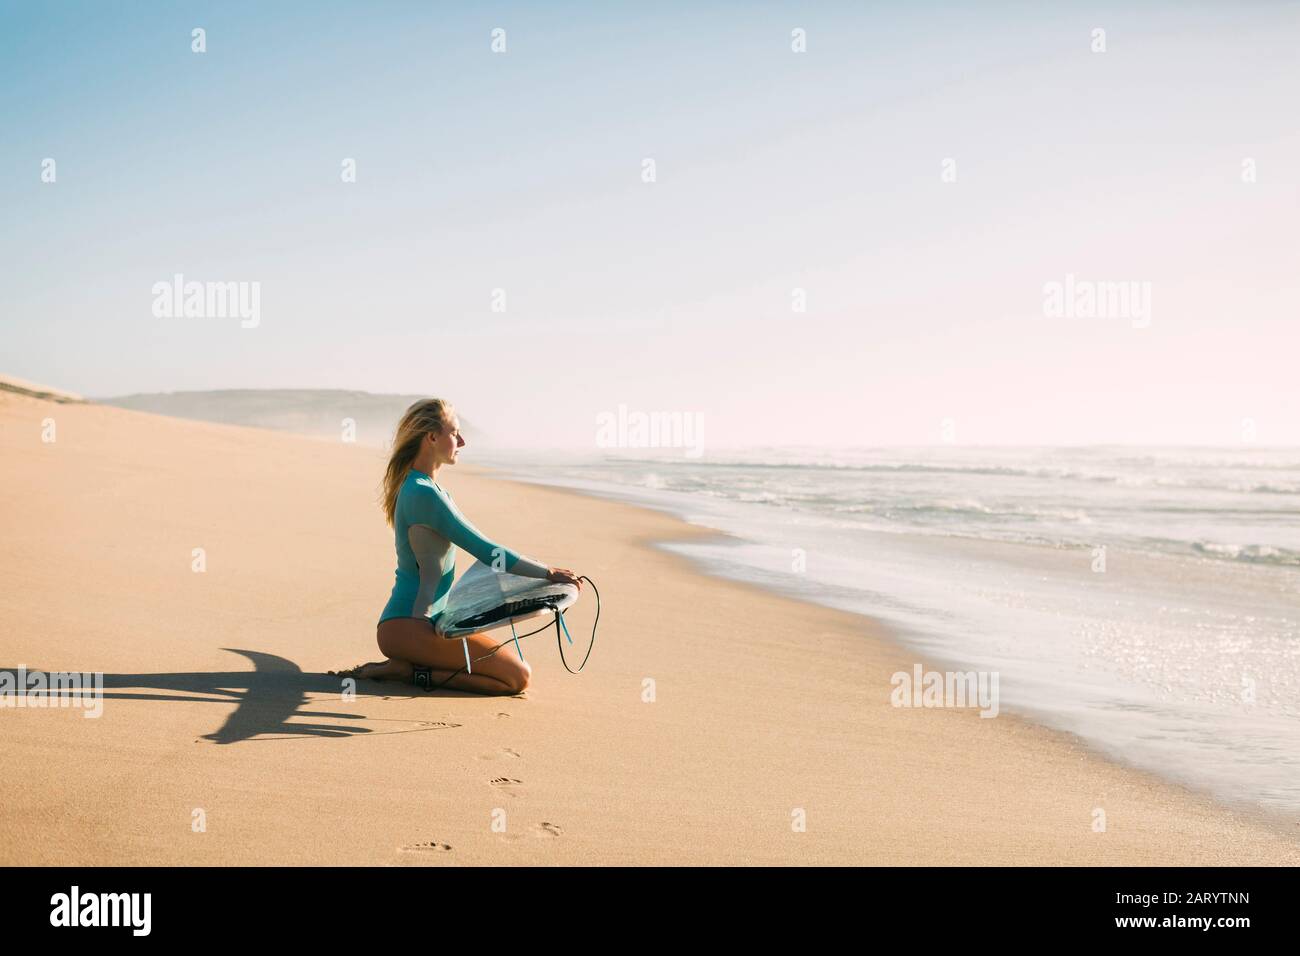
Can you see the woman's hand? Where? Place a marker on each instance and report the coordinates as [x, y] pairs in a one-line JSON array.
[[564, 576]]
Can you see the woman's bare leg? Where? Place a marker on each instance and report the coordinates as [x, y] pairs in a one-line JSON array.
[[399, 670], [411, 642]]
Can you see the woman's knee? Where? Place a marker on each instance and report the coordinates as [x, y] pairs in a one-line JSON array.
[[519, 676], [383, 639]]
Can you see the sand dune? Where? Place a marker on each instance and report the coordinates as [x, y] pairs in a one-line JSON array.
[[10, 383], [216, 707], [330, 413]]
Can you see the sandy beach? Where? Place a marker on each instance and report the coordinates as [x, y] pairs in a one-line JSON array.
[[765, 711]]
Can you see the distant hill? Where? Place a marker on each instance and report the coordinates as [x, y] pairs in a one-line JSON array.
[[317, 412]]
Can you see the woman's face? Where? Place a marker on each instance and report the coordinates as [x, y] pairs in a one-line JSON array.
[[447, 445]]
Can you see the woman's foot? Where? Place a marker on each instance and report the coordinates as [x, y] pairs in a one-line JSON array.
[[377, 670]]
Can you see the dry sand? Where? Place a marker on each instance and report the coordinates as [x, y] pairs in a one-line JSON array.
[[765, 709]]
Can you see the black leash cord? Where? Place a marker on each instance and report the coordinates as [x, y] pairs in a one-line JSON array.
[[591, 644], [559, 640]]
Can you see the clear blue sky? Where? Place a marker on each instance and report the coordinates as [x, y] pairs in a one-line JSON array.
[[775, 170]]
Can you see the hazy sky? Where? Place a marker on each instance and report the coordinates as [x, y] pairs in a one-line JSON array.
[[776, 170]]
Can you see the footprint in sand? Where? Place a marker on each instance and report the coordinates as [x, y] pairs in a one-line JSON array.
[[503, 752], [505, 783], [499, 716], [433, 847], [545, 829]]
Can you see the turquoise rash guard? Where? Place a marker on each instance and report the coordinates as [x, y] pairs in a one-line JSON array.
[[426, 525]]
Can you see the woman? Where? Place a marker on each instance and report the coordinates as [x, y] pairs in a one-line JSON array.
[[426, 525]]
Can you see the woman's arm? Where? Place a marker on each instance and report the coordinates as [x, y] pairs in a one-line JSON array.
[[434, 508]]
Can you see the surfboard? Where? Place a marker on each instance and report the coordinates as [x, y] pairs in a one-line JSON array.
[[483, 599]]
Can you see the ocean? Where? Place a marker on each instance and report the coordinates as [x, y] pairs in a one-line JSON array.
[[1147, 600]]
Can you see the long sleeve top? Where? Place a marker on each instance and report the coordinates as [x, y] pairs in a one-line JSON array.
[[426, 525]]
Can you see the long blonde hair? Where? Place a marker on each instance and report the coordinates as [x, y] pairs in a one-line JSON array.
[[425, 416]]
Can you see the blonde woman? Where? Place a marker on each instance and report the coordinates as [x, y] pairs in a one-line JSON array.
[[427, 528]]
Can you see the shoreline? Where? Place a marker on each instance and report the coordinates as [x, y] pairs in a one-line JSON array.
[[769, 738]]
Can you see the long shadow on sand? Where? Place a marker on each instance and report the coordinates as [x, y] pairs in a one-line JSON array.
[[266, 699]]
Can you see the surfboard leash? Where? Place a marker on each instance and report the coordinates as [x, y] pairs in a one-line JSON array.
[[559, 622]]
